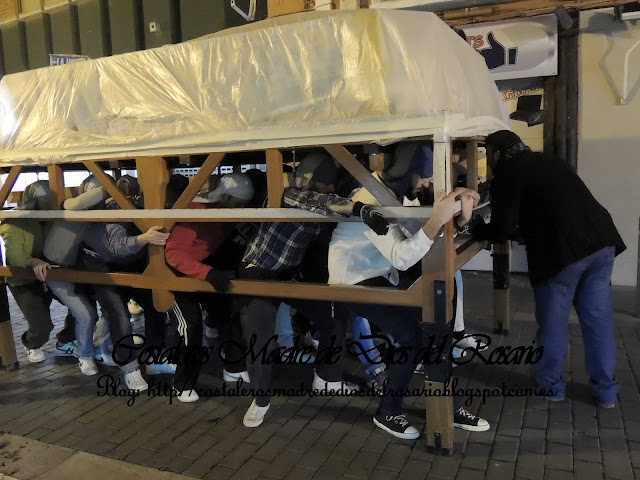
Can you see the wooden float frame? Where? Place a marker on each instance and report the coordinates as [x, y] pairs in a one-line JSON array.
[[438, 266]]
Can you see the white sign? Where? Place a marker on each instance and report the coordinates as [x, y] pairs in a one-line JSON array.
[[55, 59], [519, 48]]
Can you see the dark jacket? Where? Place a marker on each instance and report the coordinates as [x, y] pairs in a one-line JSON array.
[[558, 218]]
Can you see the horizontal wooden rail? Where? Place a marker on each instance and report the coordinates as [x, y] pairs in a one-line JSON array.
[[308, 291], [209, 215]]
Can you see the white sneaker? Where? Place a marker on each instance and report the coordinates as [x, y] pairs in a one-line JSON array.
[[234, 377], [88, 366], [319, 385], [138, 340], [34, 355], [105, 359], [211, 332], [309, 341], [134, 308], [468, 341], [255, 415], [161, 369], [135, 381], [187, 396]]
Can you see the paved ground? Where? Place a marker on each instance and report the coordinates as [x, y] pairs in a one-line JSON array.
[[318, 438]]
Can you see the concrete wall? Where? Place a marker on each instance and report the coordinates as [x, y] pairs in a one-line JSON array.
[[609, 133]]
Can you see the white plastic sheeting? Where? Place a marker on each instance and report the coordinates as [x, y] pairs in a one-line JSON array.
[[306, 79]]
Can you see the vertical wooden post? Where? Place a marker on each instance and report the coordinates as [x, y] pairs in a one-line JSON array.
[[437, 308], [275, 178], [501, 295], [56, 185], [153, 177], [472, 165]]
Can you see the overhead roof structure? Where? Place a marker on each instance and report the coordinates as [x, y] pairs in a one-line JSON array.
[[298, 80]]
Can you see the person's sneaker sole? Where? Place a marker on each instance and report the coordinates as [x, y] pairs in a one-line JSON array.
[[471, 428], [403, 436]]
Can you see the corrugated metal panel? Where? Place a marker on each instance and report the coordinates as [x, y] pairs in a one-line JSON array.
[[39, 43], [65, 33], [93, 20], [201, 17], [14, 47], [125, 19], [163, 17]]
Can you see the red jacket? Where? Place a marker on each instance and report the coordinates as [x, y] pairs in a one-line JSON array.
[[190, 243]]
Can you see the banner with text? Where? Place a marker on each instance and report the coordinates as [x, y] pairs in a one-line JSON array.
[[518, 48]]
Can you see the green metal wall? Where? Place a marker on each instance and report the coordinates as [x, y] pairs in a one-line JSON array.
[[125, 18], [99, 28], [93, 20], [65, 30], [165, 15], [39, 41], [201, 17], [14, 47]]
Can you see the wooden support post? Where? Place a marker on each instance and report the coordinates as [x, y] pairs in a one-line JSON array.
[[472, 165], [275, 178], [501, 296], [437, 309], [9, 183], [153, 177], [56, 185], [8, 357]]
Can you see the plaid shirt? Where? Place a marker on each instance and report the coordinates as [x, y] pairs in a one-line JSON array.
[[282, 245]]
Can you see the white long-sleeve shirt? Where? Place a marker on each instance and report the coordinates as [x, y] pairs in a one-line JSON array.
[[357, 253]]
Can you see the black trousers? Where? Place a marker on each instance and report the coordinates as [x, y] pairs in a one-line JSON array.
[[258, 316], [34, 304], [155, 325], [187, 315], [403, 323]]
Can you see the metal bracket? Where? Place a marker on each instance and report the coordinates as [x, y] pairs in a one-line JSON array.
[[249, 17]]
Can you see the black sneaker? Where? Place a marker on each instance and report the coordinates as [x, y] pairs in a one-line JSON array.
[[464, 420], [377, 380], [396, 426]]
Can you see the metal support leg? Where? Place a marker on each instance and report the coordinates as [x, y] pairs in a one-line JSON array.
[[501, 295], [437, 369]]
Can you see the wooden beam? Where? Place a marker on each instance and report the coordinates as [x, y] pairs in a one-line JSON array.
[[470, 250], [9, 183], [196, 182], [153, 178], [210, 215], [311, 291], [275, 178], [472, 165], [360, 173], [523, 8], [110, 186], [56, 185]]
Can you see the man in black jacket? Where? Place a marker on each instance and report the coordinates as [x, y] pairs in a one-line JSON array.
[[571, 245]]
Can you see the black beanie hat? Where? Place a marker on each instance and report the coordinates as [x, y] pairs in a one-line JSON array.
[[502, 140]]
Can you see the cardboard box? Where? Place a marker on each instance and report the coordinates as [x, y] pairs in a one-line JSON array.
[[276, 8]]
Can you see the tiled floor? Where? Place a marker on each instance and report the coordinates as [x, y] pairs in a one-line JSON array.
[[530, 438]]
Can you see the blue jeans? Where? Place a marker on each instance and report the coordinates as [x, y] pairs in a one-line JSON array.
[[586, 284], [85, 312], [360, 327], [284, 330]]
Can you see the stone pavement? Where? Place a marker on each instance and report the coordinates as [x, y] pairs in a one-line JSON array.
[[530, 438]]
